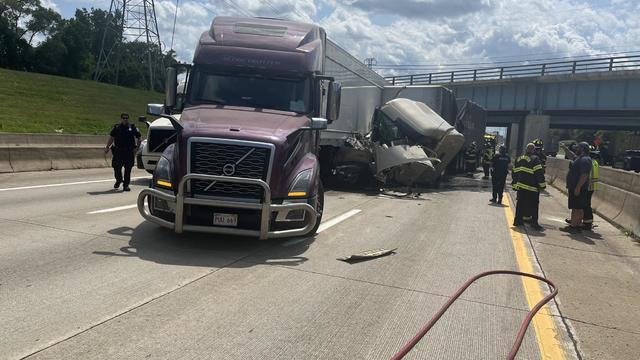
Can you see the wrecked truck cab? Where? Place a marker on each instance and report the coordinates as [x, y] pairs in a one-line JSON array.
[[414, 144], [245, 160]]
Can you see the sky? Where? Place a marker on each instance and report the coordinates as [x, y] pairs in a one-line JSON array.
[[433, 34]]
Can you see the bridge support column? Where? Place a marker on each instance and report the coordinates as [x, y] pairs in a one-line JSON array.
[[512, 140], [533, 127]]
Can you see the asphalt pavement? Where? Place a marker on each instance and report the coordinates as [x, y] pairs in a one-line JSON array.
[[82, 276]]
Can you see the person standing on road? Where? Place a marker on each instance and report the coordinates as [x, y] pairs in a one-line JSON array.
[[470, 159], [594, 178], [123, 141], [528, 180], [540, 153], [578, 187], [499, 171]]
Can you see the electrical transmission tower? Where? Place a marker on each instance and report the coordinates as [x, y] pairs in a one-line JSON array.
[[370, 62], [134, 21]]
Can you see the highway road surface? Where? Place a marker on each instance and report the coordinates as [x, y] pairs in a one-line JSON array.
[[82, 276]]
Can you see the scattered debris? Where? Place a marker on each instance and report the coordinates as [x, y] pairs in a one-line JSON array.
[[367, 255]]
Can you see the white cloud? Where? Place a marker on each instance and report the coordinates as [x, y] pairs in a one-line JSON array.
[[428, 31]]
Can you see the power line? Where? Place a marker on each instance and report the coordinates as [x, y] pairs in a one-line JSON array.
[[175, 18], [412, 67], [523, 56]]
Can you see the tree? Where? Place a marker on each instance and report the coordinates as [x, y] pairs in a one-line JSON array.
[[16, 10], [43, 21]]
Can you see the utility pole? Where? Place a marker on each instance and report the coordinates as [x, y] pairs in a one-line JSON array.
[[133, 21]]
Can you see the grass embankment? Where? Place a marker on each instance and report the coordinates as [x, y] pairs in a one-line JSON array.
[[37, 103]]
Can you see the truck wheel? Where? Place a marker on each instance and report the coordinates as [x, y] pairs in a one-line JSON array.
[[319, 209]]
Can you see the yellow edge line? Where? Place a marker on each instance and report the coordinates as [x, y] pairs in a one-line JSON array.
[[547, 333]]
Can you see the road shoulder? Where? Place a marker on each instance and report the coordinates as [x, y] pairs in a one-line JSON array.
[[597, 274]]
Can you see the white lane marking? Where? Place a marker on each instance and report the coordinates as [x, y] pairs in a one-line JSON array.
[[67, 184], [113, 209], [324, 226], [338, 219]]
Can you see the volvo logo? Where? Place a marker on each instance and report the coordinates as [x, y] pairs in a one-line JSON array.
[[229, 169]]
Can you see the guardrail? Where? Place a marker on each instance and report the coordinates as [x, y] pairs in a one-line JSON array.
[[521, 71]]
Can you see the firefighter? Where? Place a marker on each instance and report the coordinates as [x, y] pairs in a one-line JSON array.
[[487, 156], [539, 144], [528, 180], [499, 170], [123, 142], [470, 158], [594, 178]]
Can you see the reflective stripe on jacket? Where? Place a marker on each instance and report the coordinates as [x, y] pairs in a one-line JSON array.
[[594, 176], [528, 174]]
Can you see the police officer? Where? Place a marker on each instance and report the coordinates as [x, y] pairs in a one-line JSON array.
[[499, 171], [528, 180], [123, 142]]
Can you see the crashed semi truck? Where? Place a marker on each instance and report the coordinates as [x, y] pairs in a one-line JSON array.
[[401, 135], [241, 156], [238, 145]]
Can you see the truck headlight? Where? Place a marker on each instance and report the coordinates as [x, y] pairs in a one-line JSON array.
[[301, 184], [162, 173]]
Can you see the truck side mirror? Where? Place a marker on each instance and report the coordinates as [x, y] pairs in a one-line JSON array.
[[333, 102], [171, 87], [155, 109]]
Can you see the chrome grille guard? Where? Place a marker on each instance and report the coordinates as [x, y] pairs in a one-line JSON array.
[[266, 208]]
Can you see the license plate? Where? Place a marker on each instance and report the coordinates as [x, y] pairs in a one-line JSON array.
[[225, 219]]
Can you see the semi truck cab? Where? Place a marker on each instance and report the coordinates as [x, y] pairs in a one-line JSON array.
[[245, 158]]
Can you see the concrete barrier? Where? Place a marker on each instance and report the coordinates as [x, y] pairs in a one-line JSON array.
[[10, 139], [618, 196], [44, 158], [40, 152], [5, 161]]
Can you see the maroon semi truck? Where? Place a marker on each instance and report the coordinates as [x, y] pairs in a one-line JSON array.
[[245, 158]]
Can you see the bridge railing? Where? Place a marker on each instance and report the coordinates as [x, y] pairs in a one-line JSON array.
[[520, 71]]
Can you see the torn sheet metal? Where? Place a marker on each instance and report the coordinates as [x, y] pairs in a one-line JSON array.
[[403, 164], [369, 254], [417, 121], [421, 126]]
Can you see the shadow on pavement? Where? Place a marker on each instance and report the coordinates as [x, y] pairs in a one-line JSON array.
[[529, 231], [497, 205], [581, 238], [153, 243], [105, 192]]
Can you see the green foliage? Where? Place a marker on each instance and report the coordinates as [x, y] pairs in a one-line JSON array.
[[37, 103], [71, 47]]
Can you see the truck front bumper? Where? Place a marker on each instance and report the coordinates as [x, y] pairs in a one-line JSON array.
[[265, 207]]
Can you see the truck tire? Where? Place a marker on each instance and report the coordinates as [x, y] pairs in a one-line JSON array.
[[319, 209]]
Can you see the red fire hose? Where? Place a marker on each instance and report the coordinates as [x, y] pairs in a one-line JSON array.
[[523, 326]]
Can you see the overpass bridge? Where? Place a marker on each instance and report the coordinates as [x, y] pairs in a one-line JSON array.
[[601, 94]]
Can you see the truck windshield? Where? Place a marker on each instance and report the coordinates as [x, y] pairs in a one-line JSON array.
[[251, 90]]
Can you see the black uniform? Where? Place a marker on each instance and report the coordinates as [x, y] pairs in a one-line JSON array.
[[528, 180], [123, 149], [500, 166]]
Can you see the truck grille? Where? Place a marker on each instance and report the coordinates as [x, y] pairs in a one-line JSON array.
[[157, 139], [210, 158]]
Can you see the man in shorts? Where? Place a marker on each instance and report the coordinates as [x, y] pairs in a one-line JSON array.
[[578, 187]]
